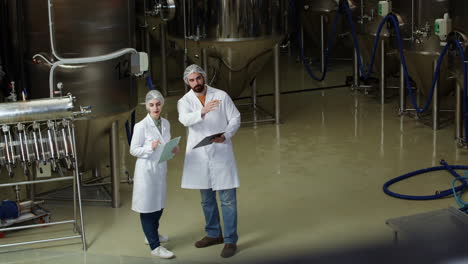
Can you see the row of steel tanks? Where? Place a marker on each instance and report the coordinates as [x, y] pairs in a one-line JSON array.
[[420, 44], [232, 39]]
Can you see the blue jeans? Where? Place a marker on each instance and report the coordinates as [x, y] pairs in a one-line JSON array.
[[150, 224], [229, 209]]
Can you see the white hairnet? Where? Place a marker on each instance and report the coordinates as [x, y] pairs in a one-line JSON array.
[[154, 94], [193, 69]]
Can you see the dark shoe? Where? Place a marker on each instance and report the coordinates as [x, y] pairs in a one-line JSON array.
[[229, 250], [209, 241]]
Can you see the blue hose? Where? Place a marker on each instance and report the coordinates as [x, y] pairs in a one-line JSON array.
[[438, 195], [149, 82]]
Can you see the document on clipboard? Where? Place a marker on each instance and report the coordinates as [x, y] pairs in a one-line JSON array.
[[167, 151], [208, 140]]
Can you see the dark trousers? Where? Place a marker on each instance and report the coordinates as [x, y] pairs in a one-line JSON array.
[[150, 224]]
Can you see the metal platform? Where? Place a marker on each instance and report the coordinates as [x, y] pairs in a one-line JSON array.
[[434, 225]]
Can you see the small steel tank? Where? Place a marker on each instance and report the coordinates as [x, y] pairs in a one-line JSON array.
[[231, 39], [367, 24], [314, 13], [422, 46]]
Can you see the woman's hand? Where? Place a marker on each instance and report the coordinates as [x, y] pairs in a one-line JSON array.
[[175, 150], [155, 144]]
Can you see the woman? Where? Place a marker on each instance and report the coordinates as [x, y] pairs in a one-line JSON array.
[[149, 188]]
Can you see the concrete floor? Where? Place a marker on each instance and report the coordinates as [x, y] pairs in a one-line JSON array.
[[311, 184]]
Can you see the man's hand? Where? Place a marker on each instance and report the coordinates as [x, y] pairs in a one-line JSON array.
[[210, 106], [155, 144], [219, 139]]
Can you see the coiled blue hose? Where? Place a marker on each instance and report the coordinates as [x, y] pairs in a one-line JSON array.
[[438, 195]]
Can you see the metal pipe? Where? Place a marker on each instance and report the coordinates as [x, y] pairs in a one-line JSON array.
[[38, 241], [78, 188], [355, 71], [20, 132], [70, 138], [302, 38], [8, 154], [36, 147], [412, 19], [37, 181], [458, 112], [163, 32], [322, 42], [382, 72], [115, 164], [435, 101], [12, 150], [254, 99], [26, 143], [204, 58], [64, 139], [41, 141], [402, 90], [40, 109], [185, 40], [36, 225], [51, 144], [277, 83], [57, 148]]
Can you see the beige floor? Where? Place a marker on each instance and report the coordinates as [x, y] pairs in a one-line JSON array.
[[313, 183]]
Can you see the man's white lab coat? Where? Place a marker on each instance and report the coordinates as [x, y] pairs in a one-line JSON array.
[[213, 166]]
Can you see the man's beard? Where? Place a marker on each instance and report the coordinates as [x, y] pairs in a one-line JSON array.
[[198, 88]]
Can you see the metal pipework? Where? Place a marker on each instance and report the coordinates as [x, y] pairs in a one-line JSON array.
[[459, 113], [402, 91], [382, 72], [41, 109], [435, 101]]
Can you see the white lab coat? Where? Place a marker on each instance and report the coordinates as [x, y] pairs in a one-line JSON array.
[[213, 166], [149, 187]]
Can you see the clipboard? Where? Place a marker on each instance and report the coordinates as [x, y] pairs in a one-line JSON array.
[[207, 141], [167, 151]]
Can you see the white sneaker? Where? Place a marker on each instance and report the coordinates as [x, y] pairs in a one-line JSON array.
[[162, 252], [162, 239]]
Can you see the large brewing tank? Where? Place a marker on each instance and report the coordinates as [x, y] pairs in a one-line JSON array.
[[231, 39], [422, 47], [315, 12], [82, 29]]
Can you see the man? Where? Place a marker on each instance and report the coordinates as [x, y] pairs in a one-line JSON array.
[[207, 111]]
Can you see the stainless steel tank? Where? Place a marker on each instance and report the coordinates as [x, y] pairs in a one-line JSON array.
[[311, 13], [422, 46], [82, 29], [232, 39], [367, 23]]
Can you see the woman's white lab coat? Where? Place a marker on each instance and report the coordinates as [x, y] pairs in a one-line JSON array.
[[212, 166], [149, 187]]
